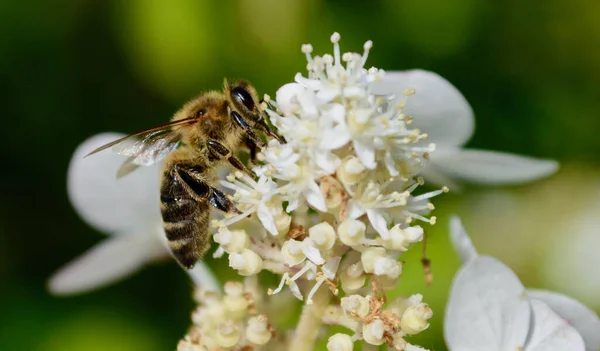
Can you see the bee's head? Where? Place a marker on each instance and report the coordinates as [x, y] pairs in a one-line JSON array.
[[244, 99]]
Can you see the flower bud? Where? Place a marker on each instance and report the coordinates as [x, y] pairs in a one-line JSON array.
[[340, 342], [247, 263], [292, 252], [415, 319], [227, 335], [235, 303], [387, 266], [351, 232], [351, 171], [414, 234], [369, 256], [282, 222], [258, 331], [332, 191], [373, 332], [358, 305], [353, 278], [232, 241], [322, 235], [387, 282]]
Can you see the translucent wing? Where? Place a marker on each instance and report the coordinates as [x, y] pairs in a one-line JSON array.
[[148, 146]]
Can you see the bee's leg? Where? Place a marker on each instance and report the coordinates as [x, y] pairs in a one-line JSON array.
[[220, 201], [203, 191], [221, 151], [241, 122], [253, 148], [262, 125]]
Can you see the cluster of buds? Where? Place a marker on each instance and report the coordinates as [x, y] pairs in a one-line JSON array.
[[228, 321], [374, 322], [334, 205]]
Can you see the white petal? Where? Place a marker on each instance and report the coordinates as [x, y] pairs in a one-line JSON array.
[[490, 167], [366, 154], [438, 108], [292, 205], [311, 252], [379, 223], [111, 260], [551, 332], [314, 197], [287, 97], [266, 218], [335, 138], [327, 161], [295, 290], [579, 316], [461, 241], [488, 308], [204, 278], [105, 202], [355, 209]]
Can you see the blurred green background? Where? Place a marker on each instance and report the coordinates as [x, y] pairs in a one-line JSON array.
[[73, 68]]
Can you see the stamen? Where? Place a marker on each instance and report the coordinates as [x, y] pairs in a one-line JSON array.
[[335, 38], [284, 278], [368, 45]]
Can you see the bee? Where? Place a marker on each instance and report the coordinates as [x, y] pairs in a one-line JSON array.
[[205, 132]]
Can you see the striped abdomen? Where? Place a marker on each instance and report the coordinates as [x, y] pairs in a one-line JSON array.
[[185, 219]]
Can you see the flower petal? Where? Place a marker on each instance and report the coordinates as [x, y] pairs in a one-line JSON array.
[[461, 240], [314, 196], [111, 260], [490, 167], [267, 219], [579, 316], [379, 223], [355, 209], [366, 154], [488, 308], [204, 278], [105, 202], [438, 108], [551, 332]]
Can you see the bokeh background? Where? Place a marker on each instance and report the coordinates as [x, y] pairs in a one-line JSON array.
[[73, 68]]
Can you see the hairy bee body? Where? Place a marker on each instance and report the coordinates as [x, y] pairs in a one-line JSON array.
[[204, 133]]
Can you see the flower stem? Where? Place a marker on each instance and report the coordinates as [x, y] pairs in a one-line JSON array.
[[310, 322]]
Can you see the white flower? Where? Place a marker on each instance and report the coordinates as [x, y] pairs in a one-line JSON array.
[[442, 112], [489, 309], [127, 209], [254, 197]]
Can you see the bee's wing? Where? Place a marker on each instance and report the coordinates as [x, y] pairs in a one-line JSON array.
[[148, 146]]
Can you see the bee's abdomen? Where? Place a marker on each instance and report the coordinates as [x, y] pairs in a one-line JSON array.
[[185, 221]]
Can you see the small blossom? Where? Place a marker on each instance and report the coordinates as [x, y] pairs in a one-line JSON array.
[[340, 342], [246, 263], [351, 232], [322, 235], [373, 332], [415, 319], [258, 331]]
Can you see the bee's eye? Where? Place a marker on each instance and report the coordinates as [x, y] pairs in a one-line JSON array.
[[244, 97], [200, 113]]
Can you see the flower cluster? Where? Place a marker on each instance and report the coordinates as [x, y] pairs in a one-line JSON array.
[[228, 321], [331, 210], [334, 206], [367, 317]]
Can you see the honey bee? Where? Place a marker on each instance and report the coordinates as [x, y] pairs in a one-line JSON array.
[[206, 131]]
